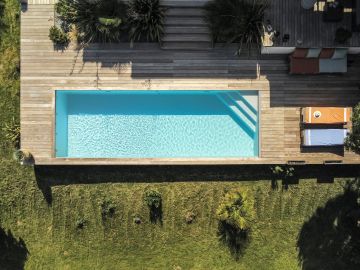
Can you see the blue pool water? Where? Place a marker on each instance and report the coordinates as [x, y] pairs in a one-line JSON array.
[[156, 124]]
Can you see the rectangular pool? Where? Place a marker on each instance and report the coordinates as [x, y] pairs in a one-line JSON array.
[[156, 124]]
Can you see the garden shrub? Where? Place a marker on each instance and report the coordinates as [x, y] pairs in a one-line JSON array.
[[107, 209], [146, 20], [352, 141], [80, 223], [153, 200], [23, 156], [58, 36], [190, 217], [236, 210], [237, 21], [95, 20]]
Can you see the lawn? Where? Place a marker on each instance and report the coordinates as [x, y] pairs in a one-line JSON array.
[[40, 209]]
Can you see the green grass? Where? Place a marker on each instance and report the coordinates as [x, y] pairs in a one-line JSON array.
[[37, 235]]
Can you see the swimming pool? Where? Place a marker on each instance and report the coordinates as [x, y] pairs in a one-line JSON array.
[[156, 124]]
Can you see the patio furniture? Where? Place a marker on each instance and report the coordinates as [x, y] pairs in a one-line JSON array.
[[323, 137], [325, 115], [308, 4], [333, 12], [316, 60]]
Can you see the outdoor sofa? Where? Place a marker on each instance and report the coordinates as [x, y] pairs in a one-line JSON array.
[[318, 60]]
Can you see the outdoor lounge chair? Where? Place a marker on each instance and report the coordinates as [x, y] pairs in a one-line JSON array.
[[325, 115], [323, 137]]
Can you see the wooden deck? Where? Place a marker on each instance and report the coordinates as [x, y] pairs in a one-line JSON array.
[[307, 26], [147, 67]]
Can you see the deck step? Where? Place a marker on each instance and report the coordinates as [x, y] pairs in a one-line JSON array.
[[185, 26], [185, 12], [186, 38], [190, 46], [189, 21], [187, 30], [184, 3]]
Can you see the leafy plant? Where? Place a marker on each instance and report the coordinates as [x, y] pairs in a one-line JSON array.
[[95, 20], [236, 210], [190, 217], [352, 141], [154, 201], [23, 156], [12, 132], [237, 21], [80, 223], [107, 209], [342, 35], [146, 20], [58, 36], [284, 172]]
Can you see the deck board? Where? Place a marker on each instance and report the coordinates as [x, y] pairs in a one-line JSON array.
[[116, 66]]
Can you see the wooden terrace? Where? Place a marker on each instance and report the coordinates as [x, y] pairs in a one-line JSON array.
[[147, 67]]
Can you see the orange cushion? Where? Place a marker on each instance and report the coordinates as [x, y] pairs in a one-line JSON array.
[[326, 53], [300, 53], [304, 66]]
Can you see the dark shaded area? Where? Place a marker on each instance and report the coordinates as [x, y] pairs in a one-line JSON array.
[[330, 239], [236, 240], [13, 252], [48, 176], [148, 60], [156, 214]]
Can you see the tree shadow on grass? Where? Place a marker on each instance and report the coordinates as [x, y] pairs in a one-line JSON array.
[[236, 240], [330, 239], [13, 252]]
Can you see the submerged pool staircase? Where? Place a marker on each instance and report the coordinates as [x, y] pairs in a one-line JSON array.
[[241, 109]]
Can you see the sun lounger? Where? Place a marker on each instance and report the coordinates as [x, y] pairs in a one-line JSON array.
[[325, 115], [323, 137]]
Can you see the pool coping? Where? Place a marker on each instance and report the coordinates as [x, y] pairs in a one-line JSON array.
[[146, 161]]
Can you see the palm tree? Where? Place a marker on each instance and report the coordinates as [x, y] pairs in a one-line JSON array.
[[237, 21], [146, 20], [95, 20]]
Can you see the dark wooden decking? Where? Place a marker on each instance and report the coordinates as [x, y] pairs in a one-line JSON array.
[[44, 69], [288, 17]]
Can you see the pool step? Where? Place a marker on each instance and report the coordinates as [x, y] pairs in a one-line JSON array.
[[242, 114], [247, 108]]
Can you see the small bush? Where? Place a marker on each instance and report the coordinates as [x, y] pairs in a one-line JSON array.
[[352, 141], [80, 223], [23, 156], [58, 36], [95, 20], [342, 35], [283, 172], [190, 217], [12, 132], [153, 200], [146, 20], [236, 210], [237, 21], [107, 209]]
